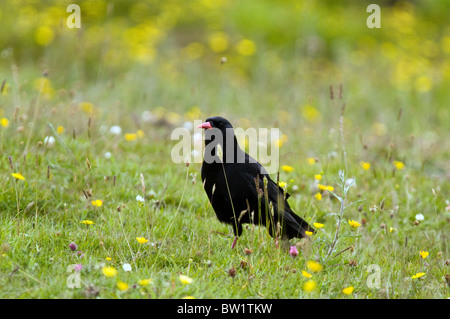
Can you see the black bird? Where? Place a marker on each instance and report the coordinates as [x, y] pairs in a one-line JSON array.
[[240, 189]]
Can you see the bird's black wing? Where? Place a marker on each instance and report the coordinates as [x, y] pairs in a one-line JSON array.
[[294, 225], [291, 223]]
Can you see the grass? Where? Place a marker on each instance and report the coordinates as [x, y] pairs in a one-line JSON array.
[[41, 215]]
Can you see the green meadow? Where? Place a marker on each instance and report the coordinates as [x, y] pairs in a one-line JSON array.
[[93, 206]]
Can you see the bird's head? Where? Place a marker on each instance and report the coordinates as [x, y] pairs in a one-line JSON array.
[[216, 122], [219, 131]]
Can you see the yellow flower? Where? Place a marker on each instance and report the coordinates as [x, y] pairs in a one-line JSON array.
[[423, 84], [309, 286], [97, 202], [311, 114], [365, 165], [287, 168], [246, 47], [141, 240], [392, 229], [379, 129], [188, 297], [353, 223], [185, 280], [130, 136], [173, 117], [122, 286], [318, 177], [18, 176], [306, 274], [194, 113], [308, 233], [140, 133], [418, 275], [280, 141], [144, 282], [87, 107], [348, 290], [399, 165], [218, 42], [44, 85], [424, 254], [5, 90], [318, 225], [194, 50], [314, 266], [60, 129], [282, 184], [109, 271], [44, 35], [318, 196], [108, 258], [325, 187], [87, 222], [311, 160], [4, 122]]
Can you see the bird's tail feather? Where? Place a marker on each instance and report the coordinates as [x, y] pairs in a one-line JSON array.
[[294, 225]]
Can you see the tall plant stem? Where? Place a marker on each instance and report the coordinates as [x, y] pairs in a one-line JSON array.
[[336, 235]]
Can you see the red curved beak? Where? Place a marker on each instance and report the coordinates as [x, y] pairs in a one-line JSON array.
[[205, 125]]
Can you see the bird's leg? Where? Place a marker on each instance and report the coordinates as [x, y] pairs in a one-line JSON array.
[[237, 229], [234, 242]]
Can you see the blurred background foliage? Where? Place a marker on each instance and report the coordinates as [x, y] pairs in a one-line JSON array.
[[280, 47], [414, 38], [113, 91]]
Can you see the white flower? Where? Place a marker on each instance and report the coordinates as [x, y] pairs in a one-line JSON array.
[[116, 130], [188, 125], [148, 117], [350, 182], [126, 267], [139, 198], [196, 153], [420, 217], [197, 137], [108, 155], [49, 141], [151, 194], [332, 154], [197, 140]]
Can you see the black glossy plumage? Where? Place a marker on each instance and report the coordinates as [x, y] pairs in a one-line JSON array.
[[243, 173]]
